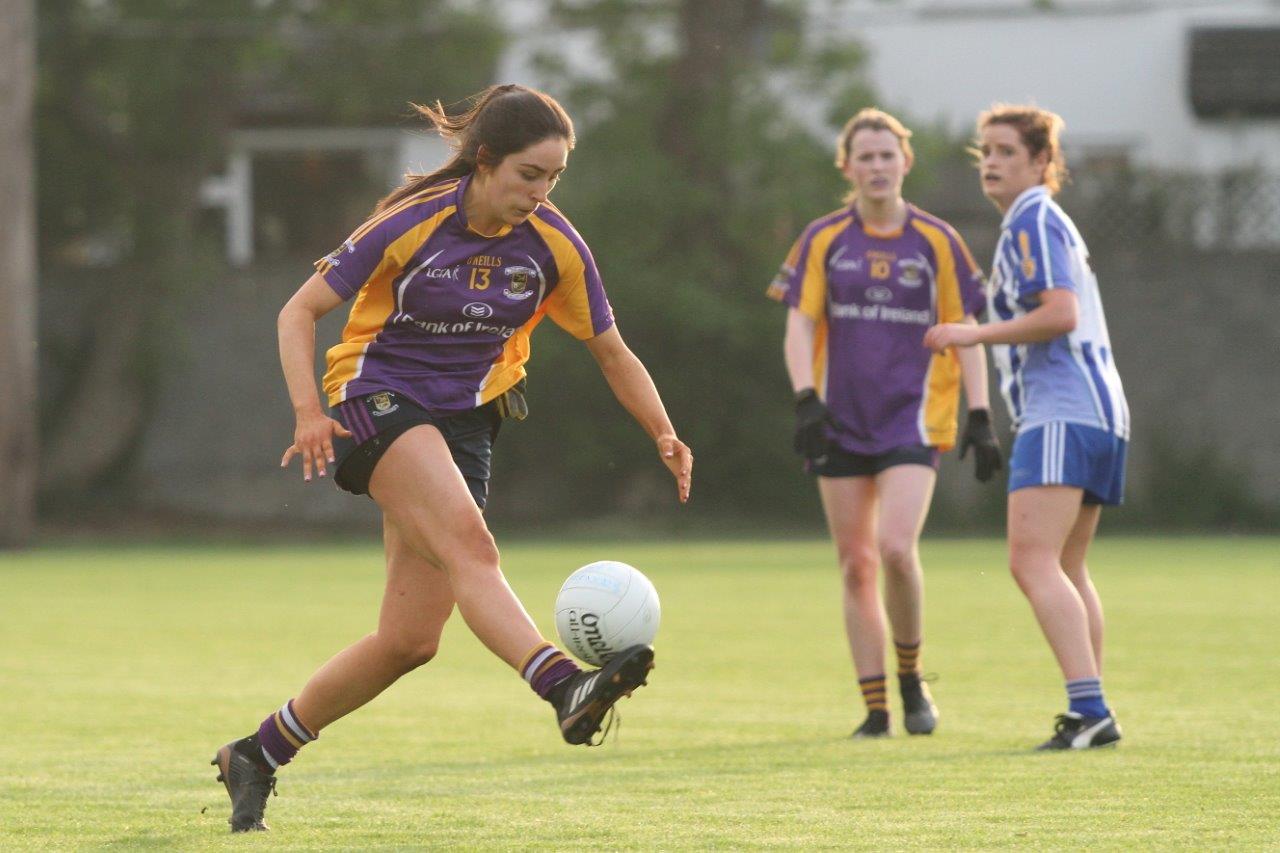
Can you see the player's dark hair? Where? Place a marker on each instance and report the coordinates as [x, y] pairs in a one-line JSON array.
[[1040, 130], [500, 121], [870, 118]]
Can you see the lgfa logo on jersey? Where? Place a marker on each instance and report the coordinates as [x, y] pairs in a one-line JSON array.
[[842, 264], [518, 279]]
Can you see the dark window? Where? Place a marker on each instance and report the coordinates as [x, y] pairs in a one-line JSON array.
[[1235, 71]]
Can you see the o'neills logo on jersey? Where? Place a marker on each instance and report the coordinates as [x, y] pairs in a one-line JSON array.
[[478, 310], [333, 258], [518, 281]]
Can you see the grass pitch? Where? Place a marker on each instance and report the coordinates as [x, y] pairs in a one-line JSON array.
[[121, 670]]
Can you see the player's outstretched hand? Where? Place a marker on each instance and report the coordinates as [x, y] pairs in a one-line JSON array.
[[986, 449], [944, 335], [313, 441], [678, 458]]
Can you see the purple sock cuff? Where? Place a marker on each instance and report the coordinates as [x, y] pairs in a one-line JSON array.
[[282, 734], [275, 748], [557, 672]]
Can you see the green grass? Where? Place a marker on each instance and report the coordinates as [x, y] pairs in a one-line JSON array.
[[121, 669]]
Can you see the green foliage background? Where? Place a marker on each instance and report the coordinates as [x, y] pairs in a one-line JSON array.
[[700, 158]]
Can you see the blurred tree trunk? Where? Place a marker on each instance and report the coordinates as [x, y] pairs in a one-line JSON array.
[[17, 276], [717, 39]]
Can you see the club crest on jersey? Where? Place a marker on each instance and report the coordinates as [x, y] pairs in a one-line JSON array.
[[382, 404], [1028, 262], [910, 272], [518, 279]]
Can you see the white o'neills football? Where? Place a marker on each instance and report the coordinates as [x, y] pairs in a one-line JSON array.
[[605, 607]]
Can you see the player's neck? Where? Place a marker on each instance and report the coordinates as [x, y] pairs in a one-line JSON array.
[[481, 217], [888, 214]]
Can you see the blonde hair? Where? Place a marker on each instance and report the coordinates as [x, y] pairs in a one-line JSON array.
[[870, 118], [1040, 130]]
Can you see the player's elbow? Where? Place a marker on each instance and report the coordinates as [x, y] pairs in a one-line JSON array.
[[294, 314], [1067, 319], [1062, 317]]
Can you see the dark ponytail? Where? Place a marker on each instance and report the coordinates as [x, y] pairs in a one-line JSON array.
[[502, 120]]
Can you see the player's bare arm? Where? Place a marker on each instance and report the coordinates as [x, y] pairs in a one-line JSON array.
[[1056, 315], [634, 389], [296, 327]]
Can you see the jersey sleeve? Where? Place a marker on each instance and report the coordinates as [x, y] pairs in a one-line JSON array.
[[782, 288], [801, 282], [577, 303], [373, 250], [1043, 255]]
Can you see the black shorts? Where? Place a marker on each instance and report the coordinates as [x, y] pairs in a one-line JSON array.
[[838, 463], [376, 420]]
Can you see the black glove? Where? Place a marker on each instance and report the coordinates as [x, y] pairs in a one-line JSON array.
[[986, 450], [812, 419]]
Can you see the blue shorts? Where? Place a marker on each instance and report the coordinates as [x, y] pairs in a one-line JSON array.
[[1065, 454]]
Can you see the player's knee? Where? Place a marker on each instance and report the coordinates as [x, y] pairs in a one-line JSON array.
[[1076, 572], [1030, 566], [407, 652], [898, 554], [472, 549], [859, 568]]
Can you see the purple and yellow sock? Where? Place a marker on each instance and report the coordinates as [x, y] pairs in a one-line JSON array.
[[281, 736], [873, 693], [545, 667], [908, 657]]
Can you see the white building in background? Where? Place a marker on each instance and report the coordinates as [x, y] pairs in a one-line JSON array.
[[393, 151], [1180, 86], [1120, 72]]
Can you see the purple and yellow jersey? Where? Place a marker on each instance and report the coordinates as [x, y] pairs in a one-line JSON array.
[[873, 295], [443, 314]]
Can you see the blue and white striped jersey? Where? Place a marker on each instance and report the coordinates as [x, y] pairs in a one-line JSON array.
[[1073, 377]]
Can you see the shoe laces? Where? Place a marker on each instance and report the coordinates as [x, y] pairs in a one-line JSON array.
[[612, 723], [262, 786]]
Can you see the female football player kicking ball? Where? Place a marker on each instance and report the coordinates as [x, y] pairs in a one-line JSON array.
[[1059, 380], [449, 278], [873, 408]]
